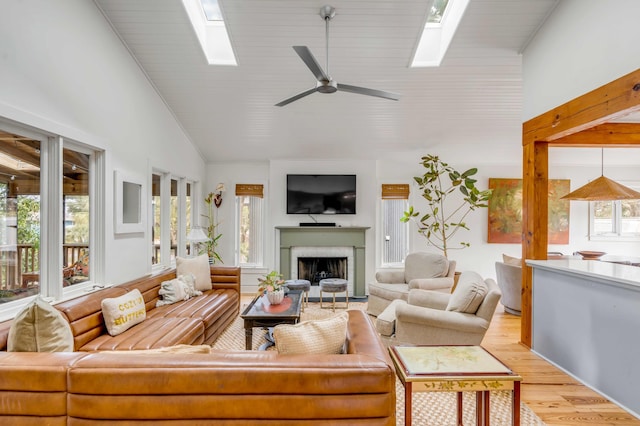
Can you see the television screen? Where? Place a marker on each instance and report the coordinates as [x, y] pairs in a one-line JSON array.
[[321, 194]]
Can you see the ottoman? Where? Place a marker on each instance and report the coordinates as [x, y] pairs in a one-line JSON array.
[[304, 285], [334, 285]]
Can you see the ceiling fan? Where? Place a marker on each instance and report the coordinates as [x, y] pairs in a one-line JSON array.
[[325, 83]]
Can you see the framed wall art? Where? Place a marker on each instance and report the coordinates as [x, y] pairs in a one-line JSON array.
[[505, 211]]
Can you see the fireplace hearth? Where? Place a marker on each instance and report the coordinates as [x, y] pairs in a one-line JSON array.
[[315, 269]]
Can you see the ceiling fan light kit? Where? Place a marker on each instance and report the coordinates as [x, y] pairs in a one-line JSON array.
[[324, 83]]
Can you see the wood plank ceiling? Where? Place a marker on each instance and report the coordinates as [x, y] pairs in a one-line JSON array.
[[229, 112]]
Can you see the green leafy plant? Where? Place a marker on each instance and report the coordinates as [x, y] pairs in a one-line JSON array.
[[450, 197], [271, 282], [212, 230]]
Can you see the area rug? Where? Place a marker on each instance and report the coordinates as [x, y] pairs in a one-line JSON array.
[[438, 409]]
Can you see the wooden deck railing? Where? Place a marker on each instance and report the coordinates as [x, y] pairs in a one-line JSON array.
[[20, 263]]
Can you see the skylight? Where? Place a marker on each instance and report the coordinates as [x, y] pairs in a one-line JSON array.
[[440, 26], [208, 23]]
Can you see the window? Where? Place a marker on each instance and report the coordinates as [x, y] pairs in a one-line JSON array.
[[188, 218], [615, 220], [395, 234], [174, 222], [208, 25], [156, 209], [47, 219], [249, 208]]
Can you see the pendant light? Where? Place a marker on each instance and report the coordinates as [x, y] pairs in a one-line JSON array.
[[602, 189]]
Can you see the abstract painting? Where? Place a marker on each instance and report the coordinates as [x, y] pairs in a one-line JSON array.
[[505, 211]]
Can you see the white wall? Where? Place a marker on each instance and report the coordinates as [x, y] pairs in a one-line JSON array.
[[63, 70], [583, 45]]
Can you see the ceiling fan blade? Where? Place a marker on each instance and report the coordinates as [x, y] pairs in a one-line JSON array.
[[296, 97], [308, 58], [369, 92]]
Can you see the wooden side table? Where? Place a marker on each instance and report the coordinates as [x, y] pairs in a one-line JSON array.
[[455, 369]]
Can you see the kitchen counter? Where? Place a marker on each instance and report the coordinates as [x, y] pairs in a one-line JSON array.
[[585, 320]]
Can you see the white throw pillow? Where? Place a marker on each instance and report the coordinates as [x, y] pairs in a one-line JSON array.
[[469, 293], [122, 313], [325, 336], [172, 291], [190, 281], [199, 267], [39, 327]]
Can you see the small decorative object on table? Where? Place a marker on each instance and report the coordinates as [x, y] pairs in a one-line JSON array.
[[273, 285]]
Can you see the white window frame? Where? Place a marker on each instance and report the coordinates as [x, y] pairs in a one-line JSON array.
[[616, 234], [238, 214], [404, 225], [51, 215]]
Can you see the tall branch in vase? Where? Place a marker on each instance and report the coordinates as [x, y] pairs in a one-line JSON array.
[[213, 200]]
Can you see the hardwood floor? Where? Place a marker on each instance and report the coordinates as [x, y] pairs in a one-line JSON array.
[[554, 396]]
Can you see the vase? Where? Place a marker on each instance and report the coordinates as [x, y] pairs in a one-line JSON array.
[[275, 297]]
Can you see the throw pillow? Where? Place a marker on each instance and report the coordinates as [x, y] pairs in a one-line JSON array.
[[40, 327], [190, 281], [326, 336], [199, 267], [469, 293], [123, 312], [509, 260], [172, 291]]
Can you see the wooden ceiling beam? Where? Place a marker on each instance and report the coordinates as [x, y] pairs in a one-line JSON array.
[[608, 135], [604, 104]]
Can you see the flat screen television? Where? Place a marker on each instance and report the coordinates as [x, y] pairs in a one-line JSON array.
[[321, 194]]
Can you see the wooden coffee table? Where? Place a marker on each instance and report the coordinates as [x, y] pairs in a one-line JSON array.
[[260, 313], [455, 369]]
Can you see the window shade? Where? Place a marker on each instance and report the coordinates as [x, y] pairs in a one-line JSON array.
[[395, 191], [248, 189]]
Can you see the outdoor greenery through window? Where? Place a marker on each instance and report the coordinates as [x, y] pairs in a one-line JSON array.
[[20, 216], [156, 209], [249, 207], [615, 220]]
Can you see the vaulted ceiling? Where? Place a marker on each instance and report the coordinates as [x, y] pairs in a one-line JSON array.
[[229, 112]]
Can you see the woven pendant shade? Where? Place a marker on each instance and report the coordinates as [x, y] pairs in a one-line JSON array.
[[602, 189]]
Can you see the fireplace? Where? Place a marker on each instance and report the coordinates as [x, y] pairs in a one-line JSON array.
[[319, 241], [315, 269], [315, 263]]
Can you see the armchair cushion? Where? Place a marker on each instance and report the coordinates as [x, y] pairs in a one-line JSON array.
[[425, 265], [469, 293]]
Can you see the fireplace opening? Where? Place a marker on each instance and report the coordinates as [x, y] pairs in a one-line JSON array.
[[315, 269]]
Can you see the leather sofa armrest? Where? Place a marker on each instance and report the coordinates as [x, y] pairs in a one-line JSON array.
[[428, 299], [226, 277], [363, 339], [431, 283], [390, 277]]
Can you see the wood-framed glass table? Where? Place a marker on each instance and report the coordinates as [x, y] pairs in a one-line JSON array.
[[261, 313], [455, 369]]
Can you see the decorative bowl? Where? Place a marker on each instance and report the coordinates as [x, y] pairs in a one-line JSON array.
[[591, 255]]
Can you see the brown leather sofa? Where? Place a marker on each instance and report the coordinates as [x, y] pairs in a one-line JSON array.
[[92, 387], [221, 388], [195, 321]]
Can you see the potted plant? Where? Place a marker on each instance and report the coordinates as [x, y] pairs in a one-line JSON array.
[[273, 285], [212, 229], [450, 197]]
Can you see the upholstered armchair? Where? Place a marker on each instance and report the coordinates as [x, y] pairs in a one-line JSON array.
[[434, 318], [509, 278], [427, 271]]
